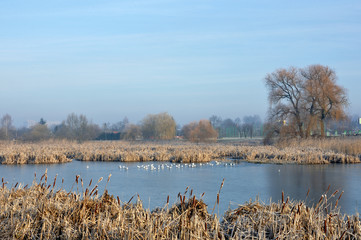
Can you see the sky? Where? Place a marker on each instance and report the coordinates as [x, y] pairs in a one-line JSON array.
[[192, 59]]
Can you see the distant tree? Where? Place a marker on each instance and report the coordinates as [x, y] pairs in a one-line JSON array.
[[216, 121], [247, 130], [132, 132], [42, 121], [121, 125], [77, 128], [6, 125], [158, 126], [38, 132], [189, 131], [202, 131], [228, 128], [250, 124]]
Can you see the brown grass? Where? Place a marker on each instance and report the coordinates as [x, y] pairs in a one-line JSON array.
[[43, 212], [300, 152]]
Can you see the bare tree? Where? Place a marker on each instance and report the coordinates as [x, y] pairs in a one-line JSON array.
[[216, 121], [132, 132], [77, 128], [300, 99], [6, 124], [202, 131], [38, 132], [325, 99], [286, 97], [158, 126]]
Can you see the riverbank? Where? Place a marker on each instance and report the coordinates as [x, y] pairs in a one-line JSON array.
[[41, 211], [298, 152]]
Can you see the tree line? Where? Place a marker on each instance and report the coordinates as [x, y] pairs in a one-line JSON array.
[[161, 126]]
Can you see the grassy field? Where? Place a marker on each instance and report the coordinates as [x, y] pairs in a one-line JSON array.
[[299, 152], [42, 212]]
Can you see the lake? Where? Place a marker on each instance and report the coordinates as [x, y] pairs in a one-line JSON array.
[[154, 181]]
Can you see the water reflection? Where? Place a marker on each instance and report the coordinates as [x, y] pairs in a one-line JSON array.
[[295, 180]]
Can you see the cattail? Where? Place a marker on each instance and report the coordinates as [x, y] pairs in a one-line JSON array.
[[90, 183], [340, 195], [167, 199], [94, 188], [55, 180], [130, 199], [118, 200], [109, 177], [319, 201], [16, 185], [333, 194], [100, 179], [328, 188], [283, 197], [77, 179], [308, 192]]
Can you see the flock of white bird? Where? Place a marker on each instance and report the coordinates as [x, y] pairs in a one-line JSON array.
[[164, 166]]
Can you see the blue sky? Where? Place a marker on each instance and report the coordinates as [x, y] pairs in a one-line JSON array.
[[192, 59]]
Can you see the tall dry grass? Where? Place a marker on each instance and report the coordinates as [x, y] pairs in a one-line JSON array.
[[300, 152], [43, 212]]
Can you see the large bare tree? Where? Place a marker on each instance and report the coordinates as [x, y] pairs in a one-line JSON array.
[[302, 99], [286, 97], [325, 99]]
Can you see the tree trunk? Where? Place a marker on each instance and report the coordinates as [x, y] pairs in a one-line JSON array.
[[322, 128]]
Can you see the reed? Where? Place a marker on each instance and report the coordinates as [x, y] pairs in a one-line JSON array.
[[299, 152], [43, 212]]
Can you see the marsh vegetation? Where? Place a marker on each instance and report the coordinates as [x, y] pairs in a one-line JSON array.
[[323, 151], [41, 211]]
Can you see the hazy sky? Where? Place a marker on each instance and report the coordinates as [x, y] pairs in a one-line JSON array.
[[192, 59]]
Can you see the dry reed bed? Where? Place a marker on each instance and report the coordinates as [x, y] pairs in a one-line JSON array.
[[43, 212], [304, 152], [27, 153]]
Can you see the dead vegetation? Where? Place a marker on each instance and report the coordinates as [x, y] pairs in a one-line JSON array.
[[42, 211], [300, 152]]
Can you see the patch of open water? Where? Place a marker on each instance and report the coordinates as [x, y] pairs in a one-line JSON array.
[[154, 181]]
